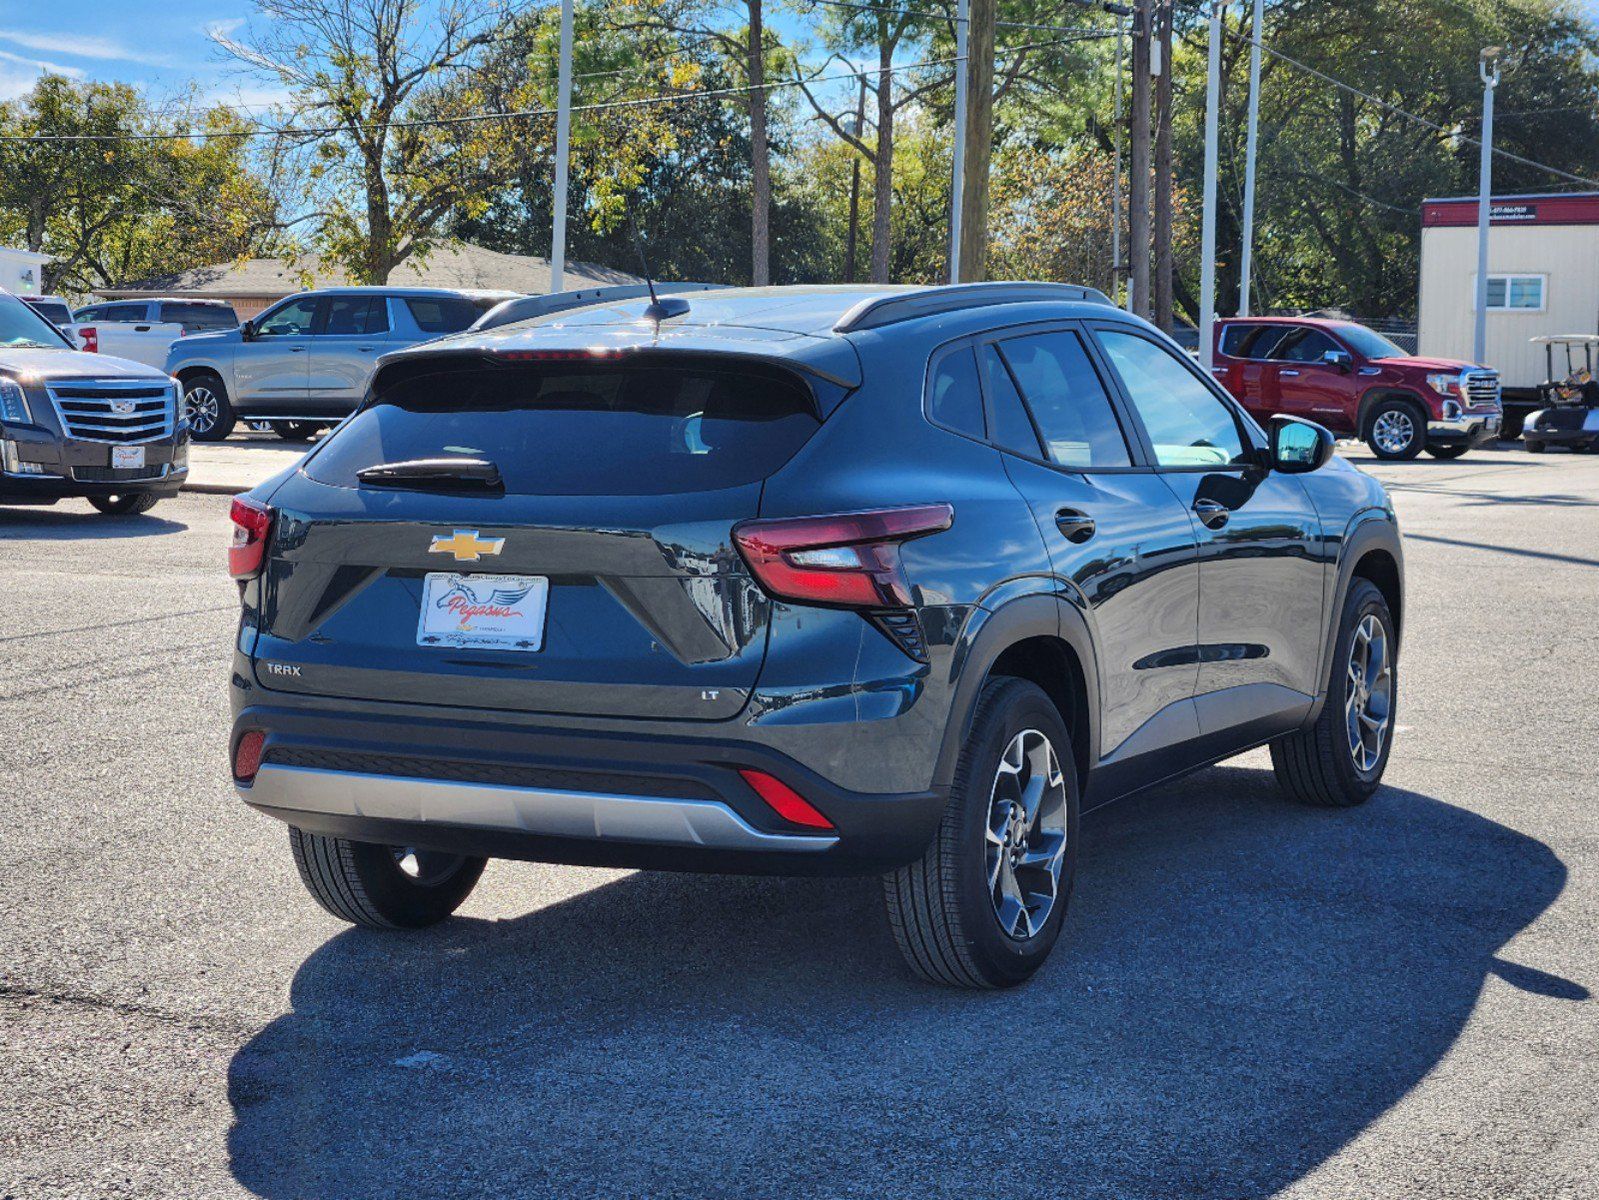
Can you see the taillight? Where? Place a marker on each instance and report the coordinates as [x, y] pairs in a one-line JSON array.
[[848, 560], [247, 755], [90, 337], [784, 800], [252, 521]]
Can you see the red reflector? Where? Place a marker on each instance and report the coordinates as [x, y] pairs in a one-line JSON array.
[[251, 522], [785, 801], [848, 559], [247, 755]]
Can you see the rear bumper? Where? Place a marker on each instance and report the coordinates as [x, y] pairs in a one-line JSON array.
[[570, 796], [1471, 430]]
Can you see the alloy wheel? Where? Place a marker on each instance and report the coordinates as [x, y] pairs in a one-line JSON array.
[[1026, 834], [200, 408], [1368, 698], [1394, 430]]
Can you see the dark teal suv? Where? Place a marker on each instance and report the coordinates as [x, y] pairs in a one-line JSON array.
[[799, 580]]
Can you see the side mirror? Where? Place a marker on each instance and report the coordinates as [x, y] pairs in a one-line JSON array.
[[1298, 446], [1341, 359], [247, 330]]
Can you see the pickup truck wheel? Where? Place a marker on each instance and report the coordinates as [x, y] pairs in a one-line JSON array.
[[1396, 429], [295, 431], [1447, 453], [983, 906], [1534, 446], [124, 505], [382, 887], [206, 408], [1338, 762]]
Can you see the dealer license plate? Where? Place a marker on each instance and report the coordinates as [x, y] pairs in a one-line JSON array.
[[127, 458], [483, 612]]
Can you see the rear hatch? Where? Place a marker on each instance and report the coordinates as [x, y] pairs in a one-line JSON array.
[[597, 575]]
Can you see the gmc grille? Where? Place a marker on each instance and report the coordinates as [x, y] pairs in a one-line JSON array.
[[1480, 388], [115, 411]]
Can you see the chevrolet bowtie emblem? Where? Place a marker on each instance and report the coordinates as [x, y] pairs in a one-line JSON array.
[[466, 545]]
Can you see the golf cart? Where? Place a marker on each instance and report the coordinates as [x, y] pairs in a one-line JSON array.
[[1569, 415]]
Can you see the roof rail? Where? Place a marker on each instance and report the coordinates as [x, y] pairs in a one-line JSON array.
[[929, 302], [525, 308]]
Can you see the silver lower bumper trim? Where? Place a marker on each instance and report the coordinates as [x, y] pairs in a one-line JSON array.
[[544, 811]]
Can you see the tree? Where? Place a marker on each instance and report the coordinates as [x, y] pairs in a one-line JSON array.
[[114, 190], [364, 68]]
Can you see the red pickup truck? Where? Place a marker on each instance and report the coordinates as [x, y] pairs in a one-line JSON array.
[[1357, 383]]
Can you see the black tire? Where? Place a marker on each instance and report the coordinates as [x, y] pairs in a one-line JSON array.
[[207, 407], [1534, 447], [295, 431], [364, 884], [1447, 453], [1511, 425], [1411, 414], [125, 504], [941, 908], [1317, 765]]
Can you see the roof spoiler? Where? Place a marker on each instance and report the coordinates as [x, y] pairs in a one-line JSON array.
[[525, 308], [934, 301]]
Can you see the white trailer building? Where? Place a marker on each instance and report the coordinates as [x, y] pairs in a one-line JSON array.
[[22, 271], [1543, 278]]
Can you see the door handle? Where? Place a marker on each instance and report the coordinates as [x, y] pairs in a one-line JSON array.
[[1294, 373], [1074, 526], [1212, 514], [296, 349]]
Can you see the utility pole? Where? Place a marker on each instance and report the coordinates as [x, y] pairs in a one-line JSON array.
[[563, 137], [855, 187], [1207, 241], [1247, 254], [1162, 69], [1488, 68], [957, 197], [979, 71], [1116, 170], [1138, 165]]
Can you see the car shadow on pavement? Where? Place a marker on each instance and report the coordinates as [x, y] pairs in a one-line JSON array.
[[1244, 986], [49, 524]]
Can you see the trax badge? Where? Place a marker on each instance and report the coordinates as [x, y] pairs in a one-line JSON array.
[[465, 545]]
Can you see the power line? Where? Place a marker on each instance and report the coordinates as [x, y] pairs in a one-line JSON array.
[[1395, 109], [520, 114], [859, 6]]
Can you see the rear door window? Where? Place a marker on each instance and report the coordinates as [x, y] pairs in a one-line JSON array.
[[356, 316], [446, 314], [121, 312], [1069, 403], [1009, 426], [564, 429]]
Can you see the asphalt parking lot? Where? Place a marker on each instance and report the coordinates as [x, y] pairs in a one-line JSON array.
[[1251, 999]]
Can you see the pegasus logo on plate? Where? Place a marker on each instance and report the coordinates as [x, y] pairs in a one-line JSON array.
[[465, 545]]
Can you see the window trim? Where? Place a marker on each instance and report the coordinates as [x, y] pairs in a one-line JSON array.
[[1249, 430]]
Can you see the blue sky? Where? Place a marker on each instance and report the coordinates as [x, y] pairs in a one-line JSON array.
[[160, 44]]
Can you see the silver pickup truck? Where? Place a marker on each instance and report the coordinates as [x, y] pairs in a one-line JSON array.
[[77, 424], [304, 363]]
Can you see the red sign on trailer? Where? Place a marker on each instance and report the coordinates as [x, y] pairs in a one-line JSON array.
[[1576, 208]]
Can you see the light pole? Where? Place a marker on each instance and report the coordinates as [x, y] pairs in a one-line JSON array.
[[1245, 258], [563, 133], [1488, 68], [957, 196], [1207, 238]]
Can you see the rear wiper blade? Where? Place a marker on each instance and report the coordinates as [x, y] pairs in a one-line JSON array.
[[445, 473]]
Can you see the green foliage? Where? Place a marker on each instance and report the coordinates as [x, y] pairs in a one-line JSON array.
[[119, 209]]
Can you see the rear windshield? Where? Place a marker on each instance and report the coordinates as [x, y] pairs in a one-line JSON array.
[[54, 311], [199, 316], [563, 429], [447, 314]]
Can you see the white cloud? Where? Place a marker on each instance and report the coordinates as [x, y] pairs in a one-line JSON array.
[[223, 28], [19, 67], [80, 46]]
